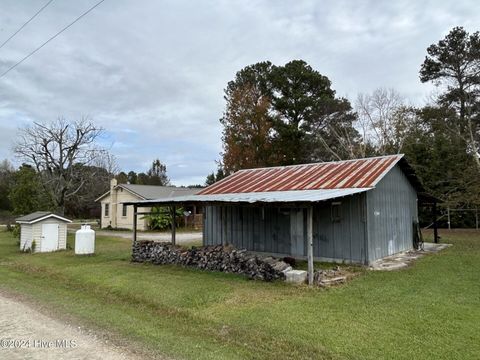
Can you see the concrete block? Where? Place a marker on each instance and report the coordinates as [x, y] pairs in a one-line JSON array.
[[296, 276]]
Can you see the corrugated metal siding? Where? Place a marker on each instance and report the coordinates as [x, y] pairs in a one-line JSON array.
[[283, 231], [392, 207], [342, 240], [383, 215], [361, 173], [253, 228], [297, 232]]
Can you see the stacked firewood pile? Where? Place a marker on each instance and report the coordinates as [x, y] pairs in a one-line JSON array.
[[213, 258]]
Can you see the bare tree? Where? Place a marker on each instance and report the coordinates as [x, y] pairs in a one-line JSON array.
[[60, 151], [383, 119], [341, 141]]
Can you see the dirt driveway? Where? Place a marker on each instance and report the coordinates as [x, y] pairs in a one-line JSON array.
[[181, 237], [25, 333]]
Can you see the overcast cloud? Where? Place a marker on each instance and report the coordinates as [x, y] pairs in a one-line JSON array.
[[153, 72]]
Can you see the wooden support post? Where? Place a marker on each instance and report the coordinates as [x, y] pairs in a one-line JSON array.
[[310, 244], [194, 217], [134, 235], [435, 225], [174, 228], [223, 217]]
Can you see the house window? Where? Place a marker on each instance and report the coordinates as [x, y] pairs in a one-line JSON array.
[[124, 210], [107, 209], [336, 211]]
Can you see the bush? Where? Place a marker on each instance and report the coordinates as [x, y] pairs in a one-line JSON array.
[[160, 217], [15, 229]]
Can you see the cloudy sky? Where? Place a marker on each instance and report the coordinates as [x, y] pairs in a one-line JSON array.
[[152, 73]]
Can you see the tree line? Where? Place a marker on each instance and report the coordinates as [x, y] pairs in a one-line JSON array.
[[156, 175], [64, 169], [290, 114]]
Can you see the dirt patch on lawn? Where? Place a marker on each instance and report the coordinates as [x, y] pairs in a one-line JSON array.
[[28, 331]]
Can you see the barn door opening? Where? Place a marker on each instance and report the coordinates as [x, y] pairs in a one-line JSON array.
[[297, 232], [49, 237]]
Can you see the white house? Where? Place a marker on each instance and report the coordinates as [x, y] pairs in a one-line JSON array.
[[118, 216], [46, 230]]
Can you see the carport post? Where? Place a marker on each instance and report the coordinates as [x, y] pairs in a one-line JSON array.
[[134, 228], [310, 244], [173, 225]]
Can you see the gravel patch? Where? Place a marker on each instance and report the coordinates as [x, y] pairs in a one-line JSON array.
[[181, 237], [26, 333]]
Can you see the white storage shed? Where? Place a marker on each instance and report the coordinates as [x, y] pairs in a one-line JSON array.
[[47, 230]]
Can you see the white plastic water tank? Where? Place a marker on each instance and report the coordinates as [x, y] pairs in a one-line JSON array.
[[85, 240]]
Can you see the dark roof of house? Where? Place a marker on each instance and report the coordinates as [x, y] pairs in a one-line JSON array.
[[148, 192], [153, 192], [38, 216]]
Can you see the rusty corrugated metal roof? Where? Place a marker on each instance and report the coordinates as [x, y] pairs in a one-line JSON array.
[[348, 174]]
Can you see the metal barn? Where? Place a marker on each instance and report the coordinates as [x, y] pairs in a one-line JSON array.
[[347, 211]]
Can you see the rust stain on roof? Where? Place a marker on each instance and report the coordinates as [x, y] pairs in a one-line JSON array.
[[361, 173]]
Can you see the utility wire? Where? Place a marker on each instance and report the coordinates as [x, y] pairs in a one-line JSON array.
[[21, 27], [53, 37]]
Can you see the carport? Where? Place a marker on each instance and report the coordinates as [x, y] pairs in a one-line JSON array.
[[354, 211], [303, 201]]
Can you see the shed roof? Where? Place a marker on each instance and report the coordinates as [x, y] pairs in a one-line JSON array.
[[298, 183], [348, 174], [39, 216]]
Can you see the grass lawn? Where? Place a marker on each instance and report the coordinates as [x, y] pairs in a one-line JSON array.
[[428, 311]]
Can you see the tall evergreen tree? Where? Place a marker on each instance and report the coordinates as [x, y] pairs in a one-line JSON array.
[[26, 194], [157, 174], [121, 177], [132, 177], [7, 176], [281, 115], [454, 64], [436, 154]]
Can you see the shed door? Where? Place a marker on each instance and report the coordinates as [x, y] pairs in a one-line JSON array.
[[297, 232], [49, 237]]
